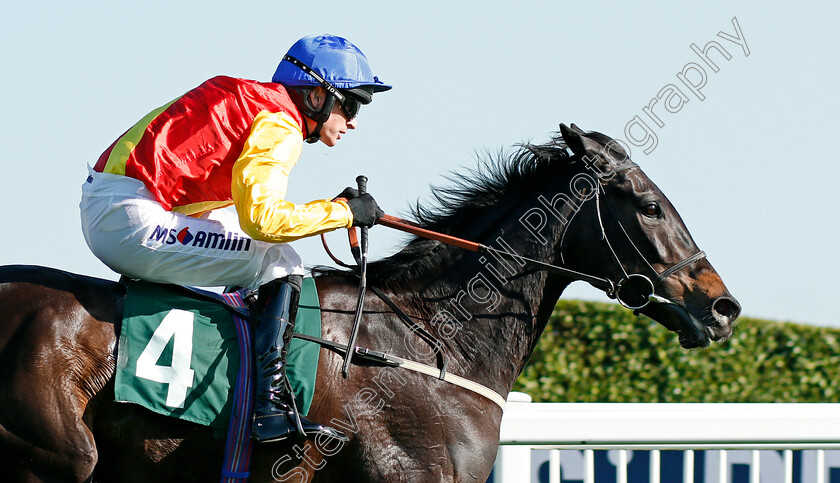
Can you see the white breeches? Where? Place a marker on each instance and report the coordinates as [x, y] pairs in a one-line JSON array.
[[134, 235]]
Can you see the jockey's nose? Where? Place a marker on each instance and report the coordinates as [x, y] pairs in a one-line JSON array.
[[351, 124]]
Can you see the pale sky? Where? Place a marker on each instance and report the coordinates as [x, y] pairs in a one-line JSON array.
[[468, 77]]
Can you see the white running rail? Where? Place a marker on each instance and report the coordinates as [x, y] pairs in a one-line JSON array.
[[624, 427]]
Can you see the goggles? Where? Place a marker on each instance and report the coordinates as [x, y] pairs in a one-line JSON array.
[[349, 104]]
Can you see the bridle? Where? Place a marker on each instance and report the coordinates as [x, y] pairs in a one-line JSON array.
[[634, 290]]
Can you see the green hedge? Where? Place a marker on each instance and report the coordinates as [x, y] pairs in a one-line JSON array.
[[597, 352]]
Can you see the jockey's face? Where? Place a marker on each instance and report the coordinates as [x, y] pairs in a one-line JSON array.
[[336, 125]]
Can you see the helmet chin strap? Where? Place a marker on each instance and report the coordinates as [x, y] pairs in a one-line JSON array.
[[323, 115]]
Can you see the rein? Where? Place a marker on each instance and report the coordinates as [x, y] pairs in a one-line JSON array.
[[408, 227], [621, 290]]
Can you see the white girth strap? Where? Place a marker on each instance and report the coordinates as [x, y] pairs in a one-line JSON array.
[[459, 381]]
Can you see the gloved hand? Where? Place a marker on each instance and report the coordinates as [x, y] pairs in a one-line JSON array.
[[365, 210], [348, 194]]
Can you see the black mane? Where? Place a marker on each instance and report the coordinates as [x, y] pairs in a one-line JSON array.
[[497, 181]]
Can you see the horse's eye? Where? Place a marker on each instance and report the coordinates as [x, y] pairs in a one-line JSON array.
[[652, 210]]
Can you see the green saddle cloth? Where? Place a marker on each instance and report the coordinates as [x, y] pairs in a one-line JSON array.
[[178, 355]]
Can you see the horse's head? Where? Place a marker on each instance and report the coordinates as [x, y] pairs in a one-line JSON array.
[[658, 269]]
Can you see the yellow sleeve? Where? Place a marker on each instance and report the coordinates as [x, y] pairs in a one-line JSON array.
[[259, 181]]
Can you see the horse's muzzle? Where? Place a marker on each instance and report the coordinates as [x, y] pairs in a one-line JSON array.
[[725, 310]]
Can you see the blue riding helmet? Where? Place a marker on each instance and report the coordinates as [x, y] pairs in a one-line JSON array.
[[334, 58], [336, 65]]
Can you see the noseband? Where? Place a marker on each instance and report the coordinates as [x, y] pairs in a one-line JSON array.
[[635, 290]]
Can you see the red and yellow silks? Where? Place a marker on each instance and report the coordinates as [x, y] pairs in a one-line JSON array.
[[228, 141]]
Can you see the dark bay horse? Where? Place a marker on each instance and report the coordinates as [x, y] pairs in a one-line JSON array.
[[576, 202]]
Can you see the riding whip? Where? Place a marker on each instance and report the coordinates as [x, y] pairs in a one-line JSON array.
[[361, 181]]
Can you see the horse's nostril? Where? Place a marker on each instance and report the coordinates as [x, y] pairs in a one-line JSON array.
[[726, 307]]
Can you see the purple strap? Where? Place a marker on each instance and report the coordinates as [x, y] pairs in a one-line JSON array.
[[237, 465]]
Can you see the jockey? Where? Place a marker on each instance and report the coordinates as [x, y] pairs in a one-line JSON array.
[[151, 205]]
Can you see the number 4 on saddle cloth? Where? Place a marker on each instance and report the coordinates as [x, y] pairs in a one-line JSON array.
[[179, 354]]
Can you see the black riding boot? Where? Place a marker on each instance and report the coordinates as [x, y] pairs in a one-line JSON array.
[[275, 412]]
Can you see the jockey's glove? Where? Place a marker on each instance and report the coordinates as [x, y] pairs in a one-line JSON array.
[[348, 194], [365, 210]]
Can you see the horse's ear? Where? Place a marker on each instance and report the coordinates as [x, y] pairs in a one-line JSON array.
[[577, 129], [573, 139]]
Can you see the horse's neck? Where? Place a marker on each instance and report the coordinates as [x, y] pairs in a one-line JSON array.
[[490, 313]]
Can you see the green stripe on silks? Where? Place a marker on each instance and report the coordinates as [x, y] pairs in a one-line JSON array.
[[125, 145], [178, 355]]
